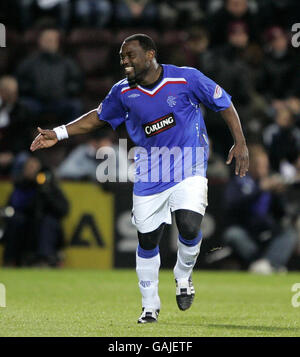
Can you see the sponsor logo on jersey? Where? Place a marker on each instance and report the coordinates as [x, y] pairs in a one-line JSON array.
[[159, 125], [218, 92]]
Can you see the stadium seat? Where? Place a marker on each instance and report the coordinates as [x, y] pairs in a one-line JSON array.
[[96, 88], [93, 61], [125, 32], [30, 37], [172, 37], [85, 37], [4, 61], [13, 38], [122, 34], [14, 52]]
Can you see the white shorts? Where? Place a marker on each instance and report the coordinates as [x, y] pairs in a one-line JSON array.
[[149, 212]]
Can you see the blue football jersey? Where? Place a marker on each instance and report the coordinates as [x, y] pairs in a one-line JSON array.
[[166, 124]]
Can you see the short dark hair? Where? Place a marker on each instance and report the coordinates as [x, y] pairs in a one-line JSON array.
[[145, 41]]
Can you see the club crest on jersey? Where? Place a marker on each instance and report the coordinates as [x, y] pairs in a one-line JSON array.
[[159, 125], [171, 101], [218, 92]]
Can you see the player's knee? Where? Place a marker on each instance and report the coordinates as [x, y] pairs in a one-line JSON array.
[[189, 229], [150, 240], [189, 232], [188, 225], [147, 244]]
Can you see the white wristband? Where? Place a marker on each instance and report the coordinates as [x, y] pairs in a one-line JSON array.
[[61, 132]]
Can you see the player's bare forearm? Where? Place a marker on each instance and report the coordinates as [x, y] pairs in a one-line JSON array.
[[82, 125], [239, 150], [231, 118]]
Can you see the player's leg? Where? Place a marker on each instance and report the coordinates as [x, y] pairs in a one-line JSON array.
[[150, 213], [189, 202], [189, 242], [147, 268]]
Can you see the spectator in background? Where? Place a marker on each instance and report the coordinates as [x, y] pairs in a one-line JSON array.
[[283, 13], [255, 211], [217, 170], [278, 78], [226, 67], [232, 11], [50, 82], [15, 124], [81, 163], [195, 51], [240, 47], [33, 234], [229, 71], [179, 14], [293, 103], [31, 10], [282, 138], [96, 13], [290, 171], [231, 67], [135, 13], [243, 60]]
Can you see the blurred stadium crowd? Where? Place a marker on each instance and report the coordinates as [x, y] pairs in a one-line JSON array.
[[61, 59]]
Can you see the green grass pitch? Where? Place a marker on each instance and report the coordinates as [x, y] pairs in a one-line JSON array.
[[107, 304]]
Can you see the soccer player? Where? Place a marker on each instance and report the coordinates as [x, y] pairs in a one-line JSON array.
[[159, 104]]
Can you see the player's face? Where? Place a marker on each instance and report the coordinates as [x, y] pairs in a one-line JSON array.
[[135, 60]]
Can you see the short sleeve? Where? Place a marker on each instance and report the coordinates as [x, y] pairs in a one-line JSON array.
[[206, 91], [111, 109]]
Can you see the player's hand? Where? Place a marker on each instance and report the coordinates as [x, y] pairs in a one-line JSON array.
[[45, 139], [241, 155]]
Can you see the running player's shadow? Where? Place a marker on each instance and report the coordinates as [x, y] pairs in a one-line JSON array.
[[255, 328], [239, 327]]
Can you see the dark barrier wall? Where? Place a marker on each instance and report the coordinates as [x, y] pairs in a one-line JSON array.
[[99, 232], [213, 254], [88, 228]]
